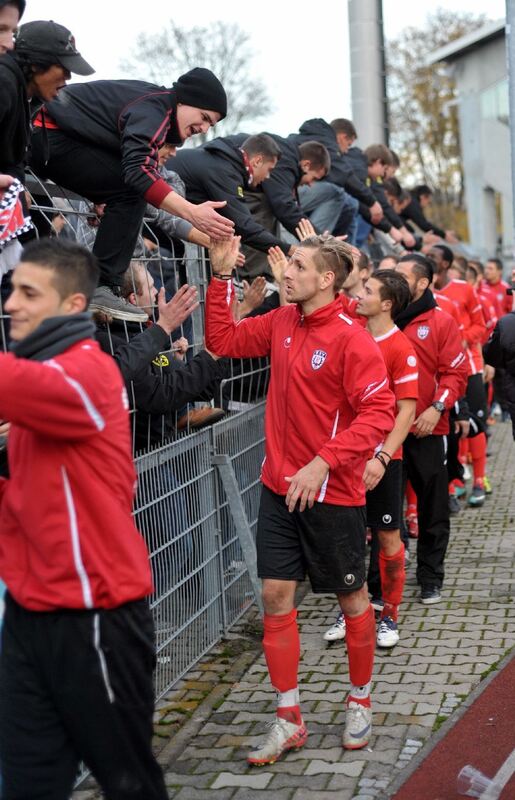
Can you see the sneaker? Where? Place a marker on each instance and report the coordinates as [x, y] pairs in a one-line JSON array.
[[387, 634], [459, 491], [336, 631], [496, 410], [200, 418], [377, 604], [430, 594], [358, 726], [107, 301], [454, 504], [477, 496], [487, 485], [412, 525], [283, 736]]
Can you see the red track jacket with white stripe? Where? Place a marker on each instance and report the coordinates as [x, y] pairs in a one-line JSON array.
[[328, 393], [67, 538], [442, 367]]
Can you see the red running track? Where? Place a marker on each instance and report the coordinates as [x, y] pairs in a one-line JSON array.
[[484, 737]]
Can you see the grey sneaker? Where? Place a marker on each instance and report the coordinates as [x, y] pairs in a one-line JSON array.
[[336, 631], [104, 299], [358, 726], [282, 736]]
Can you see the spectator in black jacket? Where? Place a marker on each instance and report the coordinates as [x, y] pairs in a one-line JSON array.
[[35, 71], [11, 11], [101, 139], [420, 198], [275, 202], [223, 170], [333, 203]]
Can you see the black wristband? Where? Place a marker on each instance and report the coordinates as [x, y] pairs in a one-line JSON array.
[[222, 277], [381, 459], [384, 453]]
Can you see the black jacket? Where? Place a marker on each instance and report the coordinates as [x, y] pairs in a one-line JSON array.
[[413, 211], [499, 352], [132, 118], [216, 171], [157, 385], [14, 119], [281, 188], [342, 169]]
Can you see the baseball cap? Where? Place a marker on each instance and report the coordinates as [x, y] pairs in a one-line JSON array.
[[49, 41]]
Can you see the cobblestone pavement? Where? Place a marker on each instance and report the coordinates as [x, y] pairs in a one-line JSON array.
[[207, 724]]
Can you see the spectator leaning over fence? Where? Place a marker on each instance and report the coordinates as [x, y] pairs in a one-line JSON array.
[[328, 408], [77, 650], [34, 72], [102, 141]]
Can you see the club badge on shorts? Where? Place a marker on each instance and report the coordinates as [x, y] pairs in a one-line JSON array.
[[349, 579], [423, 331], [318, 358]]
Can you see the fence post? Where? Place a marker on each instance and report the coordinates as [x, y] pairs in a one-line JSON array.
[[222, 463]]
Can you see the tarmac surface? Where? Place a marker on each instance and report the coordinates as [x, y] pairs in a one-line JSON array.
[[206, 725]]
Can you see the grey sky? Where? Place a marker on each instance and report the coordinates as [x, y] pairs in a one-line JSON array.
[[303, 61]]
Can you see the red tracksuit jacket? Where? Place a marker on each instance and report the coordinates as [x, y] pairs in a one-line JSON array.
[[328, 393], [67, 538], [442, 367]]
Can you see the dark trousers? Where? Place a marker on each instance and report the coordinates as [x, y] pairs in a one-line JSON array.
[[78, 685], [426, 467], [94, 173]]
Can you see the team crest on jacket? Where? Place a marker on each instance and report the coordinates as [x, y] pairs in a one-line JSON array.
[[423, 331], [318, 358]]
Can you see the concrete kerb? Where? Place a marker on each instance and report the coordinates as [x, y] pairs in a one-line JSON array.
[[444, 729]]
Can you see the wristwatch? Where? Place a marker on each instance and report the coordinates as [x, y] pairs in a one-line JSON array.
[[439, 406]]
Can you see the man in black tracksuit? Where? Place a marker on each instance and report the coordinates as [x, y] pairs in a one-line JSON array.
[[223, 170], [101, 139], [276, 200]]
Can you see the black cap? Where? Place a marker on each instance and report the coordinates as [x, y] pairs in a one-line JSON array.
[[19, 3], [53, 43], [201, 88]]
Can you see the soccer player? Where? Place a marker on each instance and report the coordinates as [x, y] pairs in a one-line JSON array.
[[77, 650], [442, 371], [328, 407], [385, 295], [474, 333]]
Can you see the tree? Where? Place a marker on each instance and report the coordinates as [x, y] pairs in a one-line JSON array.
[[423, 107], [222, 48]]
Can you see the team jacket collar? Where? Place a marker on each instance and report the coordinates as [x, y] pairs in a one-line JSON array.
[[322, 315], [415, 309]]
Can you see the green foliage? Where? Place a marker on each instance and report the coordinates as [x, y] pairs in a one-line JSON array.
[[221, 47], [423, 106]]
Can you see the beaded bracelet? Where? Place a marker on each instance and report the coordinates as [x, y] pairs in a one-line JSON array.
[[222, 277]]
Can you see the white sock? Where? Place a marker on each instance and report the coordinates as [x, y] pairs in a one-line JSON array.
[[288, 699], [360, 692]]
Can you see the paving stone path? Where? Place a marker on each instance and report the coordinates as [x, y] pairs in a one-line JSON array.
[[207, 723]]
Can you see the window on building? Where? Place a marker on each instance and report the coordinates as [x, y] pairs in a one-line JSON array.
[[495, 103]]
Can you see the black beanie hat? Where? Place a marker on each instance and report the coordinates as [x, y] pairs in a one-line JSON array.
[[201, 88], [19, 3]]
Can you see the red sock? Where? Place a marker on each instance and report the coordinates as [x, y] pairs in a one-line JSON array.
[[281, 645], [393, 575], [463, 449], [478, 453], [361, 645]]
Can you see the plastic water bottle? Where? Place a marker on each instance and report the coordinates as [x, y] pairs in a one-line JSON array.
[[472, 783]]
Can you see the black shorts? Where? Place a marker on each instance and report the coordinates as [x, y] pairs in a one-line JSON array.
[[327, 542], [476, 399], [384, 503]]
